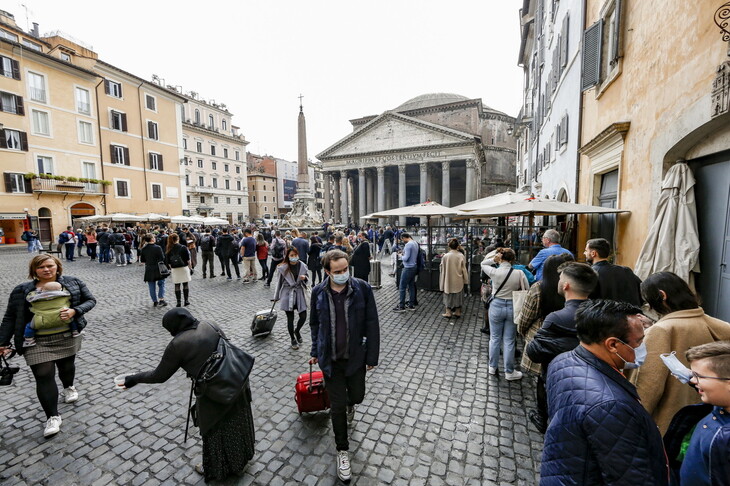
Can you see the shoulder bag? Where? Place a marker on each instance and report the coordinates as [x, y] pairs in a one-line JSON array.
[[491, 297], [163, 269]]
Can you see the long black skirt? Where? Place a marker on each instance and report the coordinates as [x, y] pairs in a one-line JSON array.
[[229, 446]]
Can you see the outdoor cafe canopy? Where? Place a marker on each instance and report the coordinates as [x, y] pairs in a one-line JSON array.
[[537, 207], [426, 209]]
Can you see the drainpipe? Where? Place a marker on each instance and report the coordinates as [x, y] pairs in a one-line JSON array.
[[580, 134], [144, 159], [101, 148]]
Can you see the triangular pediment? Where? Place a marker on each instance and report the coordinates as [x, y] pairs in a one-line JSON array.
[[394, 132]]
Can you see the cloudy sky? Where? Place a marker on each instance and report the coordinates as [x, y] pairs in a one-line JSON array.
[[348, 58]]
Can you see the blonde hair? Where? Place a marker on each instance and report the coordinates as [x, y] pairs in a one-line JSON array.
[[38, 260]]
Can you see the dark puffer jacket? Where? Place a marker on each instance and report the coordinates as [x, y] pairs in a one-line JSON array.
[[18, 313], [599, 434]]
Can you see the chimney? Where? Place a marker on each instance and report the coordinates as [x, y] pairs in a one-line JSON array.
[[35, 30]]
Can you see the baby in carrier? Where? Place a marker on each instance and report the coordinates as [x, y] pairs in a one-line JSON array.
[[46, 305]]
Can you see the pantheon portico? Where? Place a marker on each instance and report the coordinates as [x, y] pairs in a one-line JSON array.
[[430, 148]]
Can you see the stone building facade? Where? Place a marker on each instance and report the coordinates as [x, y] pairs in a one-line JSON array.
[[441, 147], [262, 195]]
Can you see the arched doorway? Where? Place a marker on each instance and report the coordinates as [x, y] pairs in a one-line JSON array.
[[80, 210], [45, 230]]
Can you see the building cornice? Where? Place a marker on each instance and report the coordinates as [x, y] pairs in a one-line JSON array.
[[492, 115], [619, 128], [212, 133], [147, 84], [25, 52], [429, 148]]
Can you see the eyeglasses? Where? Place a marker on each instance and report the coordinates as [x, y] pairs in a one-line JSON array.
[[697, 377]]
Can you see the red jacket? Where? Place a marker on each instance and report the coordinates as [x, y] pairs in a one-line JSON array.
[[262, 251]]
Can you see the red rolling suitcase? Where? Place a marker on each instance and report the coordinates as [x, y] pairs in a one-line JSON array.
[[311, 395]]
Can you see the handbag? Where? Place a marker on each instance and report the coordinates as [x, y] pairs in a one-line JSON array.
[[307, 293], [518, 301], [163, 269], [223, 375]]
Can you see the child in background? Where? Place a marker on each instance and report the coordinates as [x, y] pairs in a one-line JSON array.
[[46, 305]]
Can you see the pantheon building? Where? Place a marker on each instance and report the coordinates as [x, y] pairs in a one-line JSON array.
[[441, 147]]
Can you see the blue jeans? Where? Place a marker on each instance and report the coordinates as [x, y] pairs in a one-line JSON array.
[[502, 329], [104, 254], [70, 247], [160, 290], [408, 281]]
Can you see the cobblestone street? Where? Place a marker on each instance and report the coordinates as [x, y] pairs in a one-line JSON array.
[[432, 415]]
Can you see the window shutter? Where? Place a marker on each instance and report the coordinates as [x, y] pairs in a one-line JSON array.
[[124, 122], [107, 87], [19, 105], [564, 42], [114, 154], [149, 156], [126, 156], [28, 186], [150, 127], [592, 55], [159, 162], [23, 141], [8, 183], [616, 31], [15, 66], [3, 141], [564, 130]]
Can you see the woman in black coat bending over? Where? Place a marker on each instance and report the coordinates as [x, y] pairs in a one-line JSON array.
[[227, 430], [151, 255]]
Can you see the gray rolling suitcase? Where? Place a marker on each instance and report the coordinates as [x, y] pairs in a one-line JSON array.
[[263, 322], [375, 274]]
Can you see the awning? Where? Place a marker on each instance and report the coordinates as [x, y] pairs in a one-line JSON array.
[[538, 207]]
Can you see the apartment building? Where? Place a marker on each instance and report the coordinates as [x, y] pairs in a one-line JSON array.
[[262, 187]]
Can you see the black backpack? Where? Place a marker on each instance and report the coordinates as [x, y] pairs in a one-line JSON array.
[[206, 243], [277, 249]]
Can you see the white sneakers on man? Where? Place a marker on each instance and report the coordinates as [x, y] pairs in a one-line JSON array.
[[514, 376], [343, 465], [492, 370], [53, 426], [70, 394]]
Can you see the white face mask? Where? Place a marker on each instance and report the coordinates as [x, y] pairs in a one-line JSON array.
[[342, 278], [639, 356], [676, 368]]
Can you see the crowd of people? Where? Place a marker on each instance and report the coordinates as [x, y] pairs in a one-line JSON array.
[[621, 398]]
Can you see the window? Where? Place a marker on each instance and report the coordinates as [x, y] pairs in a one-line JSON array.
[[212, 150], [239, 200], [225, 167], [228, 184], [150, 102], [238, 155], [44, 164], [187, 181], [65, 56], [264, 198], [185, 143], [238, 185], [41, 123], [224, 125], [215, 199], [188, 199], [201, 180], [200, 163], [4, 34], [118, 121], [211, 122], [37, 87], [199, 147], [152, 130], [112, 88], [10, 103], [238, 168], [254, 198], [273, 199], [213, 165], [120, 155], [225, 152], [17, 183], [83, 101], [10, 68], [602, 47], [156, 191], [228, 200], [215, 182], [156, 161], [264, 187], [202, 199], [32, 45], [122, 187], [563, 130], [197, 118], [86, 133], [14, 140]]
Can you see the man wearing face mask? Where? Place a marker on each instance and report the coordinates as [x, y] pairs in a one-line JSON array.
[[558, 334], [345, 342], [599, 433]]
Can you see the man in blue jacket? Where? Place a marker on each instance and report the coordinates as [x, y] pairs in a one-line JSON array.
[[599, 433], [408, 277], [345, 343], [551, 242]]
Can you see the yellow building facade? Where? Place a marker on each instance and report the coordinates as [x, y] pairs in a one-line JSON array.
[[656, 83]]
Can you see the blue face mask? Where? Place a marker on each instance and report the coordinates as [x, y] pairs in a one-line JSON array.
[[293, 259], [341, 278], [678, 370], [640, 356]]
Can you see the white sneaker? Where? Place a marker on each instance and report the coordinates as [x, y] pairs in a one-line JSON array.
[[492, 371], [515, 375], [343, 465], [53, 426], [70, 394]]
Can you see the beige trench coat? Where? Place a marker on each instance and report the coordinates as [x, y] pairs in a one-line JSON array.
[[453, 273]]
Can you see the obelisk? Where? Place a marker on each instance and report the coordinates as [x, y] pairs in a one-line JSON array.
[[304, 213]]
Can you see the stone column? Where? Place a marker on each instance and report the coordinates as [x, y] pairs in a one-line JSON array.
[[446, 184], [381, 192], [424, 186], [369, 198], [337, 200], [327, 194], [361, 194], [470, 182], [401, 192], [344, 192]]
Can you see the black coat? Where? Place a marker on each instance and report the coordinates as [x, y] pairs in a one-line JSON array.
[[360, 260], [617, 283], [557, 335], [226, 246], [18, 313], [314, 262], [151, 255], [181, 250]]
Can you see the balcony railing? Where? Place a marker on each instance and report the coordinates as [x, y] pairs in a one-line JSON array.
[[52, 185], [84, 107], [37, 94]]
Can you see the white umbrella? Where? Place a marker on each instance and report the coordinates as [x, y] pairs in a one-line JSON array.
[[492, 201], [154, 217], [673, 243], [185, 220], [93, 219], [426, 209], [122, 217], [538, 207], [214, 221]]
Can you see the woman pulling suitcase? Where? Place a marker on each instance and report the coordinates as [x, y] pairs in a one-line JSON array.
[[292, 290]]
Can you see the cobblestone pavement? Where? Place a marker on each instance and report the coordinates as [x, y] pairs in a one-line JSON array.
[[432, 415]]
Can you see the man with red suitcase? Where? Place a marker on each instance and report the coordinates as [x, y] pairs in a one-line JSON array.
[[345, 348]]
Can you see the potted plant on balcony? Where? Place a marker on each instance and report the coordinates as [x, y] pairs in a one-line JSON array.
[[30, 175]]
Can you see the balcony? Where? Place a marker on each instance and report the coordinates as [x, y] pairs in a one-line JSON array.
[[41, 185], [203, 189]]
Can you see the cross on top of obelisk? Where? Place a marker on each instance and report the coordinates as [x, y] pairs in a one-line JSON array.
[[300, 102]]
